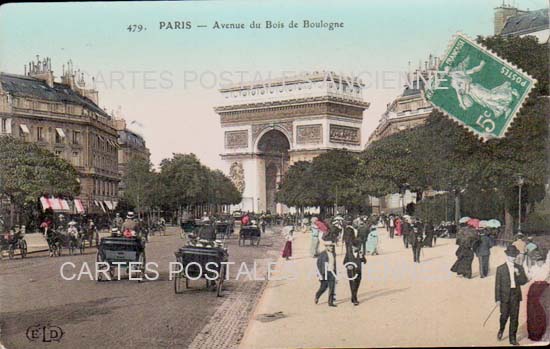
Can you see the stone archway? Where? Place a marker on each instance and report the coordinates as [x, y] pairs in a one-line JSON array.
[[273, 147]]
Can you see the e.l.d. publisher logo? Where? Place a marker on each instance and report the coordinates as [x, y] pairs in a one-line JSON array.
[[44, 333]]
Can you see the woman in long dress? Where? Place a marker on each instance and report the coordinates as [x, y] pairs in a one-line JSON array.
[[287, 250], [537, 313], [372, 241]]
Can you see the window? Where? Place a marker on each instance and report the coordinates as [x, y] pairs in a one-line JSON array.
[[39, 134], [4, 125], [59, 136], [58, 153], [70, 109], [76, 137], [76, 158]]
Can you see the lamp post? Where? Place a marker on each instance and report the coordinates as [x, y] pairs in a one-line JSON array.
[[521, 181]]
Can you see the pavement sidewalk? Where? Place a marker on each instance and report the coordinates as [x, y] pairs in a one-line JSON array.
[[402, 303]]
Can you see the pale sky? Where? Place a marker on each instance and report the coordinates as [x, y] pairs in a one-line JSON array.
[[149, 75]]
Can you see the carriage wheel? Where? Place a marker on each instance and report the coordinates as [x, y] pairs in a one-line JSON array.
[[219, 285], [178, 287], [23, 248]]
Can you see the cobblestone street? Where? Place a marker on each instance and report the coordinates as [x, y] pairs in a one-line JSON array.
[[126, 313]]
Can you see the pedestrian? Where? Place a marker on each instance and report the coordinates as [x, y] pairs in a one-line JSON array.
[[465, 257], [326, 266], [363, 234], [391, 224], [530, 249], [521, 246], [510, 277], [483, 252], [287, 250], [429, 239], [537, 315], [372, 241], [353, 262], [406, 229], [398, 225], [416, 240], [350, 234], [314, 247]]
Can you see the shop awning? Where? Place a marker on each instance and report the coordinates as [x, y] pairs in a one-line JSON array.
[[109, 205], [24, 128], [78, 206], [60, 132]]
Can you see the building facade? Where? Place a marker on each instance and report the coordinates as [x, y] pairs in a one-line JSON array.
[[64, 117], [511, 21], [270, 125], [131, 145]]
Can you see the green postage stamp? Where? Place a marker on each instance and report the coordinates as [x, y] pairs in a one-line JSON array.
[[478, 89]]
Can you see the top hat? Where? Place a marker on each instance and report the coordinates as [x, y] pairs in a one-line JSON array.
[[130, 214], [511, 251]]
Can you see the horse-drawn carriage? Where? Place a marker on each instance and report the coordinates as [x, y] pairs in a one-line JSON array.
[[251, 233], [223, 229], [201, 262], [120, 252], [60, 239], [11, 242]]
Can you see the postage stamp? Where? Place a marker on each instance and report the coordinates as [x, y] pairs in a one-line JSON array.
[[478, 89]]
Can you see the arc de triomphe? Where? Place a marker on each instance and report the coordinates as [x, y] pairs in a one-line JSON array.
[[269, 125]]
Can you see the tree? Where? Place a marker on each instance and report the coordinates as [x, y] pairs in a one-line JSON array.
[[444, 156], [28, 172], [328, 180], [140, 181]]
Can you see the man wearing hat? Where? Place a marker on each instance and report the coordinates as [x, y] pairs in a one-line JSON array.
[[510, 277], [483, 252], [326, 265], [354, 266], [130, 223]]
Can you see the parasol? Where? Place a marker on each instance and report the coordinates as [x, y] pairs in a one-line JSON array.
[[484, 224], [473, 222], [321, 226], [493, 223], [464, 220]]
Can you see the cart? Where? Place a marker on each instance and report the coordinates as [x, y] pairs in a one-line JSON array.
[[194, 263], [223, 230], [11, 242], [251, 233], [120, 250]]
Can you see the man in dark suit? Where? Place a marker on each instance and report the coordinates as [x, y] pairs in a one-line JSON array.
[[326, 265], [416, 241], [510, 277], [354, 264], [406, 229], [483, 251]]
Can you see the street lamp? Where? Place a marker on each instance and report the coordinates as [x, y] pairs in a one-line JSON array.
[[521, 181]]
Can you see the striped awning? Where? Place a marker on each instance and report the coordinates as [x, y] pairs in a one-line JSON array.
[[78, 206], [55, 204]]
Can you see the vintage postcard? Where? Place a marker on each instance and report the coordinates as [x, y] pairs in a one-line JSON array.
[[274, 174]]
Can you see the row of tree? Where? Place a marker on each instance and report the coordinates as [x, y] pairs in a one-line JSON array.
[[181, 182], [443, 156]]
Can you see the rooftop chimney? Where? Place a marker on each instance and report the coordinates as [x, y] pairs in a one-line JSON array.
[[41, 69]]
